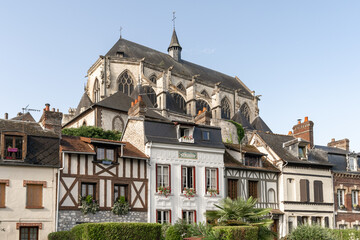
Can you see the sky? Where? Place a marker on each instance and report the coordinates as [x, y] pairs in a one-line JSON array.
[[302, 56]]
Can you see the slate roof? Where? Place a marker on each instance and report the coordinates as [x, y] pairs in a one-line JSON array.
[[275, 142], [260, 125], [164, 61], [240, 118], [85, 102], [165, 132], [244, 148], [24, 117], [42, 145], [174, 40]]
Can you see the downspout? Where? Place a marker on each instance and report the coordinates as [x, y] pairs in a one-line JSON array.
[[149, 145], [57, 194]]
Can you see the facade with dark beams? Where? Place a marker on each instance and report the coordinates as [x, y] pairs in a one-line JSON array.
[[249, 174], [105, 170], [170, 86]]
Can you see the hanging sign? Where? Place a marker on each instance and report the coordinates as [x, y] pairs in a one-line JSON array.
[[12, 150]]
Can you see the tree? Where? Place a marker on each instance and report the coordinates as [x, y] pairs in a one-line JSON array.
[[92, 132]]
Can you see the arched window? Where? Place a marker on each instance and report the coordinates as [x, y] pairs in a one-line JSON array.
[[271, 196], [245, 110], [179, 101], [126, 83], [225, 108], [201, 104], [181, 87], [149, 91], [117, 124], [153, 78], [96, 91], [204, 92]]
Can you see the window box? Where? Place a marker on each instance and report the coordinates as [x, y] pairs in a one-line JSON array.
[[164, 191], [186, 139], [356, 207], [189, 192], [212, 192], [342, 207]]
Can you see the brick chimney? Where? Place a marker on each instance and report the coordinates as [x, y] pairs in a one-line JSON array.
[[342, 144], [203, 117], [51, 120], [138, 108], [304, 130]]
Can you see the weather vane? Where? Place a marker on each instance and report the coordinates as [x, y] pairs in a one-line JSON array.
[[174, 20], [120, 32]]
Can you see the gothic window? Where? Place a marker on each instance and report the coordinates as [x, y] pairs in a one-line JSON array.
[[126, 83], [181, 87], [96, 91], [179, 101], [150, 93], [153, 78], [245, 110], [201, 104], [117, 124], [271, 195], [225, 109], [204, 92]]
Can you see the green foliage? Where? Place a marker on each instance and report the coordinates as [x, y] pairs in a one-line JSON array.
[[313, 232], [92, 132], [199, 229], [345, 234], [177, 231], [240, 130], [121, 206], [62, 235], [172, 234], [88, 205], [236, 232]]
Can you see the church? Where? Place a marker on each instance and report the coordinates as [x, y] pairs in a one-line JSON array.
[[172, 88]]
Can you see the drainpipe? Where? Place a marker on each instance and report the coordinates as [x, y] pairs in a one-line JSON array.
[[149, 145], [57, 194]]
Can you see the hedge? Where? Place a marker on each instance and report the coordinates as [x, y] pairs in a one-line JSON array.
[[345, 234], [110, 231], [237, 232]]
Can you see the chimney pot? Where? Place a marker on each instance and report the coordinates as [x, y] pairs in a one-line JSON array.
[[132, 104], [6, 116], [333, 139], [57, 110], [290, 133], [136, 101], [299, 121], [306, 119], [53, 109], [47, 107]]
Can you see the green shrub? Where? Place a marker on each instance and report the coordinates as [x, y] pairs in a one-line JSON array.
[[172, 234], [310, 232], [77, 231], [121, 206], [62, 235], [92, 132], [345, 234], [236, 232]]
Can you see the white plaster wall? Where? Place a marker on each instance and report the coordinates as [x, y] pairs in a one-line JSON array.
[[15, 201], [176, 202], [89, 118], [107, 117]]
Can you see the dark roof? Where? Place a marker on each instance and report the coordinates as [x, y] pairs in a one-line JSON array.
[[85, 102], [174, 40], [139, 90], [42, 145], [244, 148], [24, 117], [332, 150], [165, 132], [240, 118], [275, 142], [164, 61], [260, 125]]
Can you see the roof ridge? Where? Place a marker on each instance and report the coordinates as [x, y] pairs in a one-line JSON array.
[[277, 134]]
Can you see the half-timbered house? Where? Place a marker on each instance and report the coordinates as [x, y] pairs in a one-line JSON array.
[[105, 170], [250, 174]]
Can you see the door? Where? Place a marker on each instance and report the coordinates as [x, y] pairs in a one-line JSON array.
[[274, 227], [232, 188]]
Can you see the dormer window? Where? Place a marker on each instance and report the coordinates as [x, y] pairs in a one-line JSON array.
[[302, 152], [252, 161], [206, 135], [13, 147], [105, 154], [185, 134], [352, 163]]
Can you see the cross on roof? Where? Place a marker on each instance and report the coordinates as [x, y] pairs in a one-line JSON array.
[[173, 20]]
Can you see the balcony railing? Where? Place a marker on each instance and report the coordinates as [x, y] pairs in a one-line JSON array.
[[267, 205]]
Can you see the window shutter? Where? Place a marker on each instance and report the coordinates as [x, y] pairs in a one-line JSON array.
[[156, 180], [304, 190], [157, 216], [169, 216], [2, 194], [169, 177], [194, 178], [195, 216], [217, 180], [318, 191], [307, 191], [182, 179], [34, 196], [205, 180], [321, 194]]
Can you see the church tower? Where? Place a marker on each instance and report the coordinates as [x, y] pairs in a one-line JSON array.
[[174, 48]]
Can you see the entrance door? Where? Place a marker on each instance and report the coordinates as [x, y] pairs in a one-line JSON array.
[[232, 188], [274, 227]]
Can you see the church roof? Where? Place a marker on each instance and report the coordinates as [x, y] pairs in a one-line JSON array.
[[163, 61], [84, 103], [174, 41], [240, 118], [260, 125], [139, 90]]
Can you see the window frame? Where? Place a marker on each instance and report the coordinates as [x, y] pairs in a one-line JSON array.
[[207, 177], [13, 134], [161, 184], [257, 188], [95, 189], [318, 186], [187, 216], [187, 179], [35, 206], [105, 154], [207, 133], [356, 198], [341, 198], [3, 185], [163, 212], [127, 192], [28, 232]]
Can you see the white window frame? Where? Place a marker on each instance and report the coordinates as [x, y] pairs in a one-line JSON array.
[[341, 197], [355, 197], [184, 177], [161, 176], [164, 216], [209, 178], [352, 163], [189, 216]]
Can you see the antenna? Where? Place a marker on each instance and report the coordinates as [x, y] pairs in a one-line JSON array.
[[173, 20], [27, 109]]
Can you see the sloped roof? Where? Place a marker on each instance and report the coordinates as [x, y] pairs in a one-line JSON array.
[[244, 148], [24, 117], [240, 118], [85, 102], [174, 40], [30, 128], [139, 91], [74, 144], [260, 125], [164, 61]]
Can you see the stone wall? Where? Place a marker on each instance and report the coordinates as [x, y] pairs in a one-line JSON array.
[[69, 218]]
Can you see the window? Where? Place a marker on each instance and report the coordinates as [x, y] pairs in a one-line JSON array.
[[304, 190], [181, 87], [96, 91], [302, 152], [152, 78], [34, 196], [352, 163], [88, 189], [253, 189], [13, 147], [290, 189], [201, 104], [342, 226], [356, 227], [150, 93], [105, 154], [189, 216], [290, 226], [126, 83], [179, 102], [304, 220], [245, 110], [253, 161], [212, 178], [327, 224], [318, 191], [355, 199], [341, 198], [162, 176], [188, 177], [206, 135], [271, 196], [232, 188], [29, 233], [225, 109], [316, 221], [163, 216], [120, 190], [117, 124], [184, 132], [2, 195]]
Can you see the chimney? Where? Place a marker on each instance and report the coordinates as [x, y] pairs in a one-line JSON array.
[[138, 108], [342, 144], [51, 120], [6, 116], [304, 130], [203, 117]]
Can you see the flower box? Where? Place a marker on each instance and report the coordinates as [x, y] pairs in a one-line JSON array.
[[164, 191], [189, 192], [186, 139], [212, 192]]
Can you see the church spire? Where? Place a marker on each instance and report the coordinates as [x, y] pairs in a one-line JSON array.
[[174, 48]]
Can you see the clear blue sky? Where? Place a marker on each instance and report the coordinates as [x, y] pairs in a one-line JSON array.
[[301, 56]]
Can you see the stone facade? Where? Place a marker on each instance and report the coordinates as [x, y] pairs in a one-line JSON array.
[[68, 219]]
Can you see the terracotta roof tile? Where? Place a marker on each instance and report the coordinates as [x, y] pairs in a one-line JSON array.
[[131, 151], [75, 144]]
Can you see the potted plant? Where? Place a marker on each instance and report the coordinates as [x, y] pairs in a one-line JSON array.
[[356, 207], [189, 192], [212, 192], [342, 207], [121, 206], [88, 204], [106, 161], [165, 191]]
